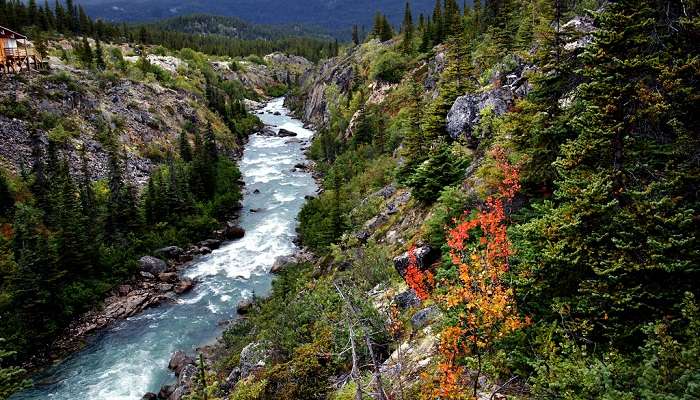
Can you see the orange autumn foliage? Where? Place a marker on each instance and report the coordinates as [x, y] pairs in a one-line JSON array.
[[421, 282], [481, 305]]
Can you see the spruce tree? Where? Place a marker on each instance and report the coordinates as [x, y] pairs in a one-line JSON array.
[[185, 148], [85, 53], [408, 30], [612, 247], [99, 57], [7, 201], [355, 35], [437, 23]]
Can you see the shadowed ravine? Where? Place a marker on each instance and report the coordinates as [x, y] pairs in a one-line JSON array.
[[131, 357]]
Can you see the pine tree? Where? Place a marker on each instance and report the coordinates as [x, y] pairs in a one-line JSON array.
[[355, 35], [437, 23], [7, 201], [185, 148], [85, 53], [387, 32], [99, 57], [408, 30], [622, 235], [32, 13]]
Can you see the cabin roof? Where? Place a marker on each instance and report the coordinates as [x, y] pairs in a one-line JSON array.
[[6, 33]]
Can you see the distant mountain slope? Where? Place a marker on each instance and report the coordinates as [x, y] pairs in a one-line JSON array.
[[235, 27], [336, 16]]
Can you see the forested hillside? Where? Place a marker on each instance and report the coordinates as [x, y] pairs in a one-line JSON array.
[[70, 18], [510, 211]]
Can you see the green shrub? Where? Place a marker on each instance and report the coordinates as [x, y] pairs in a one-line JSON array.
[[276, 90], [15, 109], [442, 169], [389, 67]]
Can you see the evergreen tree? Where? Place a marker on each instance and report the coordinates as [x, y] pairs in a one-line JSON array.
[[622, 236], [7, 201], [32, 13], [85, 53], [99, 57], [437, 23], [355, 35], [185, 148], [408, 30]]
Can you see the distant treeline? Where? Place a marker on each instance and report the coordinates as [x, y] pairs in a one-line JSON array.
[[71, 19]]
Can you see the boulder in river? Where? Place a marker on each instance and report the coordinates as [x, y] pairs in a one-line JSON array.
[[150, 396], [184, 286], [232, 232], [152, 265], [267, 131], [286, 133]]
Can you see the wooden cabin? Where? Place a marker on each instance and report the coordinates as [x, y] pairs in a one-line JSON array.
[[16, 53]]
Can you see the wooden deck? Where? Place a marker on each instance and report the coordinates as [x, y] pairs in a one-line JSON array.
[[15, 60]]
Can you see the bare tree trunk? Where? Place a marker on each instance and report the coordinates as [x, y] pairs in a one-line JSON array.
[[381, 394], [355, 373]]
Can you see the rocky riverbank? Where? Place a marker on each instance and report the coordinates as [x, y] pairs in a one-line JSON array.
[[159, 280]]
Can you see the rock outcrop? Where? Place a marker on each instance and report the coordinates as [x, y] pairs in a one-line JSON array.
[[466, 112], [152, 265], [425, 257]]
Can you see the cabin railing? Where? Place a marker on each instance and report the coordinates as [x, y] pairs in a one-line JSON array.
[[18, 52]]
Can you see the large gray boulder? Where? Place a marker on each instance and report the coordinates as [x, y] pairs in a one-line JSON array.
[[281, 263], [425, 257], [179, 360], [152, 265], [170, 252], [465, 113]]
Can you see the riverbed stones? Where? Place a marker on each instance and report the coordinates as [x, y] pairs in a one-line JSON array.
[[211, 243], [168, 277], [152, 265], [165, 287], [124, 290]]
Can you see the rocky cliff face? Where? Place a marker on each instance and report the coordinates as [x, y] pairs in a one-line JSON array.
[[79, 110], [82, 107]]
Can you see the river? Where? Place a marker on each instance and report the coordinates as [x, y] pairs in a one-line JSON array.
[[131, 358]]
